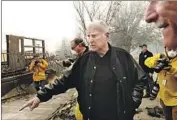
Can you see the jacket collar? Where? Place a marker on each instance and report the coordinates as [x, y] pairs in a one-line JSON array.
[[115, 63]]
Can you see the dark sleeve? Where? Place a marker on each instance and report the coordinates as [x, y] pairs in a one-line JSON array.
[[150, 54], [139, 58], [151, 70], [61, 84], [140, 78]]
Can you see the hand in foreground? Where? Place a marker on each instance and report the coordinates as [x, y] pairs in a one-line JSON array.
[[34, 103]]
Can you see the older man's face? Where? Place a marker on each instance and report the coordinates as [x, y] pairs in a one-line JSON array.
[[164, 14], [97, 39]]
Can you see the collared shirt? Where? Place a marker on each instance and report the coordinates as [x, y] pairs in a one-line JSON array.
[[104, 90]]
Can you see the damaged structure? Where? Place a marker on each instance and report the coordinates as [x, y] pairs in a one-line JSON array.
[[15, 61]]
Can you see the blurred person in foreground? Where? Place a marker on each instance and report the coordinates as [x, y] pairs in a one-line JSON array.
[[164, 15]]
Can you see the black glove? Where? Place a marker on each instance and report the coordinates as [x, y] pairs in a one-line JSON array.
[[162, 63], [154, 91], [137, 98]]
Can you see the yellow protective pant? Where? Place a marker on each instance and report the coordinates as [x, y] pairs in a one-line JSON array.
[[78, 114]]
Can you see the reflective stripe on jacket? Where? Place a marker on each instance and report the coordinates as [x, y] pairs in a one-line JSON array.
[[78, 114]]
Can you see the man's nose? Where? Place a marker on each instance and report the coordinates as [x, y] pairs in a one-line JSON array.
[[151, 15], [90, 39]]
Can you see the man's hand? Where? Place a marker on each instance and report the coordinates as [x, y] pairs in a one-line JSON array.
[[167, 67], [161, 64], [33, 62], [38, 64], [31, 104]]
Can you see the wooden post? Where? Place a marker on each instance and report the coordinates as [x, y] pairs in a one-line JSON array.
[[34, 48], [7, 41], [22, 46], [43, 49]]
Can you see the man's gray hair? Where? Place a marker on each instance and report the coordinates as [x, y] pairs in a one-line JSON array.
[[100, 25]]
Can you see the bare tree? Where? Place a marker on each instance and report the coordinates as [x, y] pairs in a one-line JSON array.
[[127, 29], [90, 10], [64, 51], [130, 30], [79, 7]]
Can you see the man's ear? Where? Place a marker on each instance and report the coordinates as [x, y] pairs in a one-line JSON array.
[[80, 45], [107, 34]]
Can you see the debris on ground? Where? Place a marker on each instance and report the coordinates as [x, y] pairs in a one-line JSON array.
[[155, 111], [66, 111]]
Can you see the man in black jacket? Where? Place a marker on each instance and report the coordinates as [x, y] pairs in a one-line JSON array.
[[145, 53], [108, 80], [78, 48]]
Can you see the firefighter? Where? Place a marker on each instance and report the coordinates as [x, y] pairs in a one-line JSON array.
[[166, 67], [38, 67]]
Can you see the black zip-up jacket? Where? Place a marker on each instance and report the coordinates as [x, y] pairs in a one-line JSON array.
[[130, 83], [142, 57]]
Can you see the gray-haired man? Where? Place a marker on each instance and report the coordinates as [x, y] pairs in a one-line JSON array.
[[108, 80]]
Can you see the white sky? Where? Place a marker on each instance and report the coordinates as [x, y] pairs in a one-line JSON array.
[[48, 20]]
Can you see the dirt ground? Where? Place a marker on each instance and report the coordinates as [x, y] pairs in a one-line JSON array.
[[68, 111], [139, 116]]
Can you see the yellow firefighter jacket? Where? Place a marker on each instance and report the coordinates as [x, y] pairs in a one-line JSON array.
[[39, 71], [167, 80], [78, 114]]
